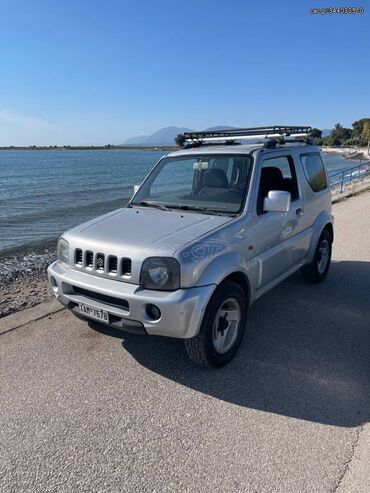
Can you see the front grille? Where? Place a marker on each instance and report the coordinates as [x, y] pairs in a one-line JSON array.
[[89, 259], [100, 262], [126, 267], [113, 264], [78, 256], [103, 264], [109, 300]]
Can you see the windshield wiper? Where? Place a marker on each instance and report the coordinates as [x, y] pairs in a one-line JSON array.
[[196, 208], [144, 203]]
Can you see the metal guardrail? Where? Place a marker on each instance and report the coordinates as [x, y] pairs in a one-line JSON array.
[[346, 178]]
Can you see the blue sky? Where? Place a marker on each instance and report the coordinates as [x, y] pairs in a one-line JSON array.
[[96, 72]]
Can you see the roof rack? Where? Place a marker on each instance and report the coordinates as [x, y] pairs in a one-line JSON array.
[[276, 132]]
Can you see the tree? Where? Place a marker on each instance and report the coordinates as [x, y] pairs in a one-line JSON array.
[[335, 142], [358, 126], [180, 140], [339, 135], [316, 133], [365, 134]]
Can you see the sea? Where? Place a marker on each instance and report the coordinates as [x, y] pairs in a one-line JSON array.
[[45, 192]]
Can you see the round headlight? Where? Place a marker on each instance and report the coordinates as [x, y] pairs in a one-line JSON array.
[[158, 272], [162, 273]]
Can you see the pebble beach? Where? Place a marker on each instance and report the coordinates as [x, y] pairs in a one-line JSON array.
[[23, 281]]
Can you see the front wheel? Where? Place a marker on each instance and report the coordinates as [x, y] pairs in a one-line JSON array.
[[222, 327], [317, 270]]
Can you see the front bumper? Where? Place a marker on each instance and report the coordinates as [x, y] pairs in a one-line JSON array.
[[181, 311]]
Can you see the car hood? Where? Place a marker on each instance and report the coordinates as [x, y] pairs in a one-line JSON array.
[[140, 233]]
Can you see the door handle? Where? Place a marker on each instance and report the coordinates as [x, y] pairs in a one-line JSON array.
[[299, 212]]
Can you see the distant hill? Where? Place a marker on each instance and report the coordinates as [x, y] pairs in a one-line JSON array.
[[165, 136], [135, 140], [325, 132]]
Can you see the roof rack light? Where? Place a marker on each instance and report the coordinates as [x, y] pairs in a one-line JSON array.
[[273, 132]]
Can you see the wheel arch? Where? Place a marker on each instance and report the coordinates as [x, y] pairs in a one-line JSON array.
[[240, 278], [232, 266], [323, 223], [329, 228]]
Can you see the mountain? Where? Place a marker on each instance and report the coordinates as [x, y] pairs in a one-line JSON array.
[[166, 136], [135, 140], [325, 132]]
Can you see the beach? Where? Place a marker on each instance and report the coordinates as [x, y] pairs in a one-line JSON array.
[[23, 281], [354, 153]]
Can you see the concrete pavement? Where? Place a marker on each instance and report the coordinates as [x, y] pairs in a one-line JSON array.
[[87, 410]]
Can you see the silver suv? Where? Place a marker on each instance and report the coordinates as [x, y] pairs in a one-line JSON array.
[[212, 228]]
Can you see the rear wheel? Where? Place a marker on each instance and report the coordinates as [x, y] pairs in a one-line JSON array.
[[222, 327], [317, 270]]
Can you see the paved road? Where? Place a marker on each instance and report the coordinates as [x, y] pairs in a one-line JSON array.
[[83, 410]]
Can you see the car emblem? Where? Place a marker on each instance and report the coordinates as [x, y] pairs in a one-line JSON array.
[[100, 262]]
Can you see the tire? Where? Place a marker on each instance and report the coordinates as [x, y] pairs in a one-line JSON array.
[[222, 327], [317, 270]]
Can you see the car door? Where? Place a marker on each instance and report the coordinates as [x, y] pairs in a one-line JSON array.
[[277, 235]]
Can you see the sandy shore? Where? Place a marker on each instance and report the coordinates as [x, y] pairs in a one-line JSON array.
[[354, 153]]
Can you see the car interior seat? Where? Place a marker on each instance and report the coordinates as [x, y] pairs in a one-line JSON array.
[[214, 182]]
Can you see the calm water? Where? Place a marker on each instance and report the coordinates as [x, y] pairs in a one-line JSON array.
[[43, 193]]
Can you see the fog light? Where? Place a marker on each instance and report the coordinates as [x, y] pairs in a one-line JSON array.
[[153, 312], [53, 283]]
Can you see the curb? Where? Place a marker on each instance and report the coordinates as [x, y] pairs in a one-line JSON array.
[[352, 192], [356, 476], [18, 319]]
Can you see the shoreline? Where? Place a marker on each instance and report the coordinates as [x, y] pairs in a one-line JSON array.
[[91, 148], [350, 153]]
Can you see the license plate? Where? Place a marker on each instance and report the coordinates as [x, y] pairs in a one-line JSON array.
[[94, 312]]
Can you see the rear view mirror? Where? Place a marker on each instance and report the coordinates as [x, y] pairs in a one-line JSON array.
[[277, 201]]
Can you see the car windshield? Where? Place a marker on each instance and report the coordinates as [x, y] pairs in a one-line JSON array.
[[208, 184]]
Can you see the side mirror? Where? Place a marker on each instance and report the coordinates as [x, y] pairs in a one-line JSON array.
[[277, 201], [136, 188]]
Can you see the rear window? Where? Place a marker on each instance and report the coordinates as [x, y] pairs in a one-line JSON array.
[[314, 171]]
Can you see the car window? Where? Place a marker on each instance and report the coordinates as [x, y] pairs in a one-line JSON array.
[[173, 180], [280, 162], [216, 183], [314, 171], [277, 173]]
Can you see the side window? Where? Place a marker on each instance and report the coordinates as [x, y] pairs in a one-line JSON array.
[[277, 173], [314, 171]]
